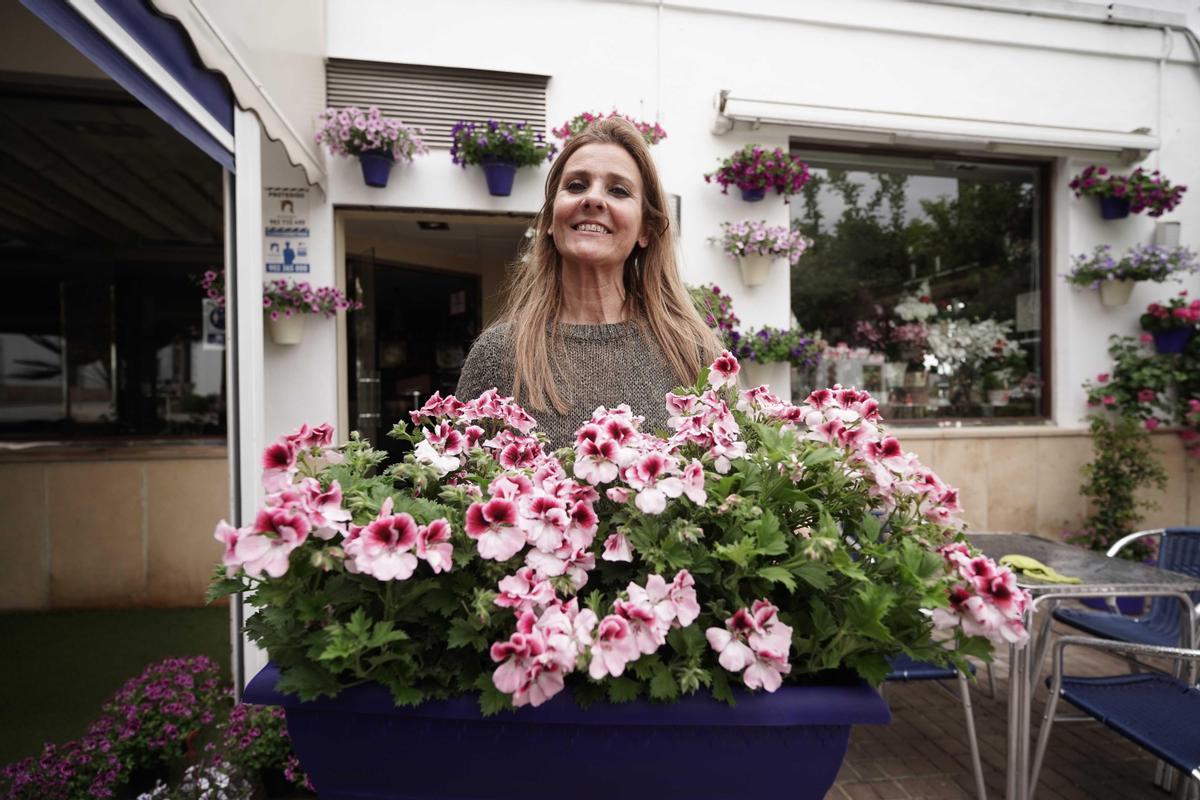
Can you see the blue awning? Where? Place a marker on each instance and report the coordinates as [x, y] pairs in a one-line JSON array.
[[167, 43]]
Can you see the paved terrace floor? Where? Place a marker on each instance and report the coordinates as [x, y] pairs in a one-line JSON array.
[[924, 752]]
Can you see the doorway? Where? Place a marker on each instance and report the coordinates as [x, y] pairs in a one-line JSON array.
[[429, 283]]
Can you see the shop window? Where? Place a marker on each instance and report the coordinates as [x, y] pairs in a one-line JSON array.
[[109, 219], [924, 279]]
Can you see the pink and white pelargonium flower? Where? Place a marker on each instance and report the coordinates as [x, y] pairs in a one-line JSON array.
[[267, 544], [724, 371], [756, 644], [383, 547], [653, 478], [493, 526], [523, 592], [987, 602], [613, 647], [674, 604]]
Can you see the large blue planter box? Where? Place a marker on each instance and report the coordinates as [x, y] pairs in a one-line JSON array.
[[787, 744]]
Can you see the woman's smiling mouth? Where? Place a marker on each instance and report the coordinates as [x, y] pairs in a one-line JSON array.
[[590, 227]]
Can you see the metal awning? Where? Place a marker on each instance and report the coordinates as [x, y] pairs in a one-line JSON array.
[[881, 127]]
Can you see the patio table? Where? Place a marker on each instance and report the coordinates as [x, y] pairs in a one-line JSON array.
[[1099, 576]]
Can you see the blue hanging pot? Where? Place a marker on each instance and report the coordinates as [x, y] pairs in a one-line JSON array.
[[376, 166], [1114, 207], [754, 195], [1173, 340], [499, 174]]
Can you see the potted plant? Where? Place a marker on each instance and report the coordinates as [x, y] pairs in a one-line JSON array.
[[376, 140], [1120, 194], [255, 739], [500, 148], [716, 309], [754, 246], [1115, 279], [286, 302], [1172, 325], [744, 573], [769, 345], [652, 132], [755, 170]]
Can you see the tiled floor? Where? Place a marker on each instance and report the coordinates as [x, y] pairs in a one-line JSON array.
[[924, 753]]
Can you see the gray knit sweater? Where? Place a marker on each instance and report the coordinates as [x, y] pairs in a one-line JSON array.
[[603, 365]]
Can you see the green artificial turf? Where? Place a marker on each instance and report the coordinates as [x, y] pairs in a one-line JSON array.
[[58, 667]]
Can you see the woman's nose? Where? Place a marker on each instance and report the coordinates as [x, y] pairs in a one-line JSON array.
[[593, 199]]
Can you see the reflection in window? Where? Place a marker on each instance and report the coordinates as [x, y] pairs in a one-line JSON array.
[[924, 279]]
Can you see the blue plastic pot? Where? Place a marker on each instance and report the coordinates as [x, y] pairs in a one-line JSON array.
[[754, 195], [376, 166], [787, 744], [1173, 340], [1114, 207], [499, 176]]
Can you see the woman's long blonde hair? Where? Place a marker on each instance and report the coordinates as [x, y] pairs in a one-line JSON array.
[[655, 295]]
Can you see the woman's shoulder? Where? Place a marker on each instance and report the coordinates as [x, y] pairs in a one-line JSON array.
[[495, 336]]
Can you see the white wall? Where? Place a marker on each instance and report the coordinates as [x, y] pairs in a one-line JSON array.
[[882, 55]]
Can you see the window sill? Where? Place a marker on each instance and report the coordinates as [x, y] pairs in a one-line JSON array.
[[117, 450]]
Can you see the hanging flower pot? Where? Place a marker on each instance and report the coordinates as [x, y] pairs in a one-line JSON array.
[[807, 727], [285, 329], [377, 140], [500, 148], [755, 269], [756, 374], [1116, 293], [376, 166], [754, 195], [1114, 207], [1173, 340], [753, 170], [500, 175]]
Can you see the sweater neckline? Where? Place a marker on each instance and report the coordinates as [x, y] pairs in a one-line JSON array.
[[602, 332]]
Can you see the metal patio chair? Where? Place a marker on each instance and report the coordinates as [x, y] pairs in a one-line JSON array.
[[906, 669], [1179, 551], [1157, 712]]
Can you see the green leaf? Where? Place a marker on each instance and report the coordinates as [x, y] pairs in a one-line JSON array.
[[306, 681], [870, 526], [771, 541], [720, 687], [820, 456], [815, 574], [223, 587], [407, 696], [623, 690], [588, 693], [739, 553], [779, 575], [663, 685], [463, 633], [866, 609], [383, 634], [873, 667], [491, 700]]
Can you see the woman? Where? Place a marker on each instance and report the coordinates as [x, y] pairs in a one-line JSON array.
[[596, 313]]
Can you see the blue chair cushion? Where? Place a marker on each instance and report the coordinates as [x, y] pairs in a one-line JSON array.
[[1160, 629], [1157, 712], [905, 668]]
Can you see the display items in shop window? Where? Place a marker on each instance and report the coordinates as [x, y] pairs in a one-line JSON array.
[[755, 246], [923, 276], [377, 141], [652, 132], [1120, 195], [1115, 278], [500, 149], [755, 171]]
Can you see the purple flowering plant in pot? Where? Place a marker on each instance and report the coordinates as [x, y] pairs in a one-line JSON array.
[[755, 171], [500, 148], [377, 141], [1122, 194], [255, 739], [149, 724], [755, 245]]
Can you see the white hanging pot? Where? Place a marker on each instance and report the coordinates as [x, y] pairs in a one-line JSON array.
[[756, 374], [1115, 293], [285, 330], [755, 269]]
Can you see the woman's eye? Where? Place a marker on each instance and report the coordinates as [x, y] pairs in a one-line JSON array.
[[575, 186], [620, 190]]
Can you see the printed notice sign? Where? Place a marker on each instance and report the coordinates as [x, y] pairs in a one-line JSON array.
[[214, 325], [286, 236]]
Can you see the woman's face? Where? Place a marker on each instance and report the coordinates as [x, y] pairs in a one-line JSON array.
[[597, 215]]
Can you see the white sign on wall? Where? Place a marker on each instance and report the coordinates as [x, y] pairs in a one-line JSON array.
[[286, 236], [214, 325]]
